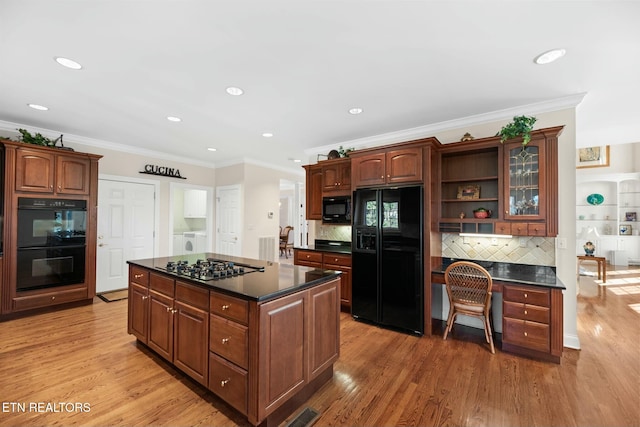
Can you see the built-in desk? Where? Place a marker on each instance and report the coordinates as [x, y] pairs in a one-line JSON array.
[[532, 306]]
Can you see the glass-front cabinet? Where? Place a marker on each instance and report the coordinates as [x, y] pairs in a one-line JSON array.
[[524, 181]]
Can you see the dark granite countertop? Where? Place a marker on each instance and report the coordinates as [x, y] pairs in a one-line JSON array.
[[527, 274], [328, 246], [275, 281]]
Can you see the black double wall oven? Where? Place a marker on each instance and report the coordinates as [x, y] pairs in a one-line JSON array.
[[51, 243]]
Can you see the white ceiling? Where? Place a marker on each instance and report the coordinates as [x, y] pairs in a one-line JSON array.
[[303, 64]]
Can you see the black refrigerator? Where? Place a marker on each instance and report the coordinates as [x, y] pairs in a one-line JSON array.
[[387, 258]]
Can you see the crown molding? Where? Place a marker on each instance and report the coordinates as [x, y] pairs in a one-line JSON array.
[[106, 145], [557, 104]]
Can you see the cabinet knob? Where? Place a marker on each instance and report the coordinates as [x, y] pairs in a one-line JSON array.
[[506, 212], [52, 298], [51, 186], [168, 309], [225, 340], [525, 334], [388, 176], [308, 256], [525, 312], [145, 297], [335, 260], [137, 276], [59, 187], [224, 382], [525, 295], [225, 307], [381, 176]]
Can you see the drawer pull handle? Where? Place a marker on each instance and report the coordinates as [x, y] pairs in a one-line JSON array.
[[137, 276], [224, 382], [225, 340], [225, 307]]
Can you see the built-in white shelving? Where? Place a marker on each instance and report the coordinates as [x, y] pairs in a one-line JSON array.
[[616, 219]]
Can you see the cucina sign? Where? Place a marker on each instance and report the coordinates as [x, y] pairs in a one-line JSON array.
[[162, 171]]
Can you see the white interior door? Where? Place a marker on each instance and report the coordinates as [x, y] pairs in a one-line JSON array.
[[228, 220], [126, 215]]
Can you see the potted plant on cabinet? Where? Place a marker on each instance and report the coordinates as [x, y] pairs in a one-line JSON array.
[[520, 126]]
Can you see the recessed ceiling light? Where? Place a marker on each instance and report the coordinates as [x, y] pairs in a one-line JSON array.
[[355, 111], [69, 63], [296, 160], [38, 107], [212, 149], [174, 119], [267, 134], [549, 56], [235, 91]]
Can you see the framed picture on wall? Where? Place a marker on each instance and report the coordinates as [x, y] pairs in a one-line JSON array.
[[592, 157]]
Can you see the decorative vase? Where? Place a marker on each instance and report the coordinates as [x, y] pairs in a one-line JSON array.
[[589, 248]]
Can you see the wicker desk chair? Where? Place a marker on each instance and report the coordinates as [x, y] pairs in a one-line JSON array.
[[469, 291]]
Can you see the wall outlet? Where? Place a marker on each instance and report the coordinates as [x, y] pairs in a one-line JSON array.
[[523, 242], [562, 243], [270, 215], [494, 241]]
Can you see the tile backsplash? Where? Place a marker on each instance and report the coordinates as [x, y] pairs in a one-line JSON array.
[[522, 250], [340, 233]]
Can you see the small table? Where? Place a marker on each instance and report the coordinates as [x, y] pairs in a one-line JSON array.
[[602, 264]]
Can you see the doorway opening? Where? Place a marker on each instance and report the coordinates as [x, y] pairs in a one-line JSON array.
[[190, 219]]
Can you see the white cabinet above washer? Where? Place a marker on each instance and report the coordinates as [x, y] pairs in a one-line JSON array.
[[195, 204]]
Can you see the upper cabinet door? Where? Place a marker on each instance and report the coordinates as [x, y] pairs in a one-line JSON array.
[[336, 176], [314, 191], [404, 165], [368, 170], [394, 166], [72, 175], [34, 171], [525, 181]]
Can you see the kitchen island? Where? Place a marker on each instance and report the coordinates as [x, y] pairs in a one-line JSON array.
[[260, 335], [532, 305]]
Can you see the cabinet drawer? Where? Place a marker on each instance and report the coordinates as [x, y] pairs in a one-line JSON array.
[[526, 295], [162, 284], [308, 258], [49, 298], [229, 340], [139, 275], [334, 261], [502, 228], [229, 382], [192, 295], [526, 334], [537, 229], [522, 311], [230, 307]]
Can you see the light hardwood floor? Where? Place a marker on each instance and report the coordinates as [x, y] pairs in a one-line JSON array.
[[83, 355]]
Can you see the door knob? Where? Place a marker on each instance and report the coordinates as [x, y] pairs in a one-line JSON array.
[[102, 244]]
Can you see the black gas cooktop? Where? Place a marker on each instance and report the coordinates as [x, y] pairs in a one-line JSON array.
[[209, 269]]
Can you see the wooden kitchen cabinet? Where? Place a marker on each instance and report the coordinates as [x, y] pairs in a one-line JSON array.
[[532, 321], [254, 355], [229, 350], [519, 186], [388, 166], [336, 177], [313, 191], [329, 261], [46, 172], [340, 262], [172, 318]]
